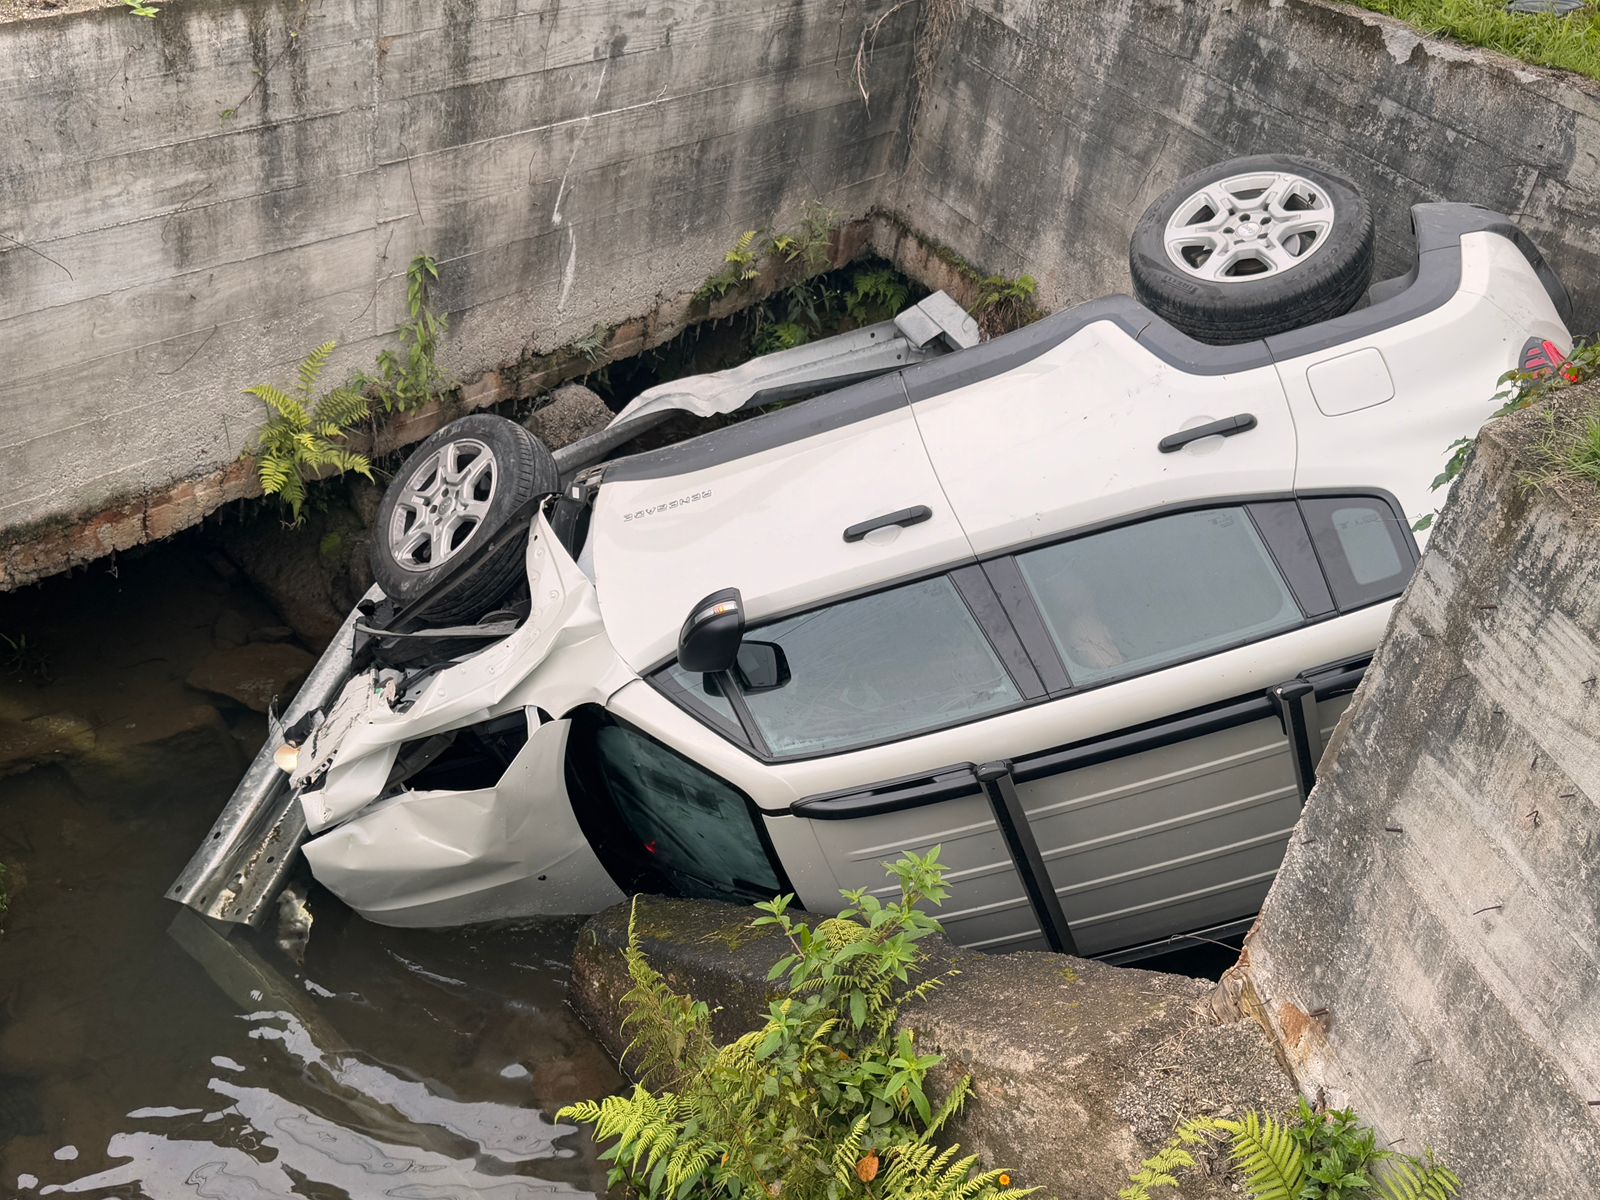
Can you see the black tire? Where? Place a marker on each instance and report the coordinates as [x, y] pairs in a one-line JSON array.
[[520, 468], [1329, 281]]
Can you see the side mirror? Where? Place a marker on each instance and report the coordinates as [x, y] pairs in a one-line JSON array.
[[709, 639], [760, 667]]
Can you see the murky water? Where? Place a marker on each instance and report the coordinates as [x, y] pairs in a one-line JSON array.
[[143, 1056]]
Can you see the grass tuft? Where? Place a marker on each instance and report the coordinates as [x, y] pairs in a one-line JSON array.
[[1570, 43]]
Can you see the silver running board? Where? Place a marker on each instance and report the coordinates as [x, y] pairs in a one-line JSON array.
[[236, 873]]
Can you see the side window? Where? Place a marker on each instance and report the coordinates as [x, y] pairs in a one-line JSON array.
[[672, 818], [1133, 599], [881, 666], [1365, 550]]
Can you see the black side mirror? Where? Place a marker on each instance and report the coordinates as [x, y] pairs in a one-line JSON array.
[[709, 639], [761, 667]]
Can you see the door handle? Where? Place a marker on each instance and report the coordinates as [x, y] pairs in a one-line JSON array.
[[906, 516], [1226, 427]]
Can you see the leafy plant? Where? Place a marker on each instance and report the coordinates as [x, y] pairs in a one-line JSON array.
[[812, 242], [22, 659], [592, 345], [411, 378], [827, 1099], [304, 431], [138, 8], [1318, 1156], [1003, 303], [739, 267], [1517, 389], [876, 295], [780, 335]]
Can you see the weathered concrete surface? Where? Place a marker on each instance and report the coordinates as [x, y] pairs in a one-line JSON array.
[[1431, 949], [1046, 129], [569, 165], [1080, 1070], [584, 165]]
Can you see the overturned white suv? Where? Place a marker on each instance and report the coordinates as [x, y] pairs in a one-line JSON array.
[[1079, 604]]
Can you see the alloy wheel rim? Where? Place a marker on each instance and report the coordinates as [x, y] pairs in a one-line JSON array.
[[443, 504], [1249, 227]]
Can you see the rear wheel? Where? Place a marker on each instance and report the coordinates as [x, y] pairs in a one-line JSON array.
[[455, 492], [1253, 247]]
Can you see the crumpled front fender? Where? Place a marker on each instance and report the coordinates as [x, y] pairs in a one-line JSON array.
[[454, 858], [558, 659]]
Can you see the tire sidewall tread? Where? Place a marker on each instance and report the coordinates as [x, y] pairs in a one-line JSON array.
[[526, 470], [1329, 283]]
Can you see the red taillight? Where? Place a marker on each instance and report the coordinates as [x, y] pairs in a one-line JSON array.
[[1541, 357]]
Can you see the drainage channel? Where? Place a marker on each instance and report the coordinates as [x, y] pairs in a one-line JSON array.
[[141, 1057]]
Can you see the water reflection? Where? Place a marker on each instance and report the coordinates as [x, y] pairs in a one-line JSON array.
[[146, 1057]]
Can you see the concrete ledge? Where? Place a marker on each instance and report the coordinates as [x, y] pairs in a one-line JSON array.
[[1080, 1070]]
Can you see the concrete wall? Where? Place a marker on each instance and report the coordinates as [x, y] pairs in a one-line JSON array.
[[1047, 128], [567, 163], [586, 162], [1431, 949]]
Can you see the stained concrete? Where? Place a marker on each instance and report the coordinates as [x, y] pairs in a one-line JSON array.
[[1430, 951], [1079, 1070], [1045, 129], [191, 203]]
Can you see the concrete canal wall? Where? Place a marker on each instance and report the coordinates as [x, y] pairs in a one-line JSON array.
[[1045, 129], [1431, 950], [190, 203]]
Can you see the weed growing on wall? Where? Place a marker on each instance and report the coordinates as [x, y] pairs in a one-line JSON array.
[[410, 377], [825, 1100], [305, 432], [740, 265], [1004, 303], [138, 8], [1517, 390], [1317, 1156]]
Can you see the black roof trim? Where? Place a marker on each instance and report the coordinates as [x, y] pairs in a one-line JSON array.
[[1438, 229]]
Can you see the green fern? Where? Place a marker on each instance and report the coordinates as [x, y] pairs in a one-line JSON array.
[[877, 295], [1319, 1156], [1263, 1150], [825, 1100], [1413, 1179], [739, 267], [304, 431]]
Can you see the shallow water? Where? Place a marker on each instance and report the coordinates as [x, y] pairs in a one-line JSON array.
[[139, 1057]]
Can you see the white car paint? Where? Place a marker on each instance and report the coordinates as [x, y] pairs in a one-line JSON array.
[[423, 858], [1064, 441]]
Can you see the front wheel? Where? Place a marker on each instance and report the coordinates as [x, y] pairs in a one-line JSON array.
[[1253, 247], [455, 491]]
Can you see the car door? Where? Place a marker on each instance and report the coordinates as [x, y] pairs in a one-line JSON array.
[[1094, 428], [1154, 766]]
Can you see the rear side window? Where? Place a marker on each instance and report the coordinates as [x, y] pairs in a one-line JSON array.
[[877, 667], [1366, 552], [1133, 599]]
